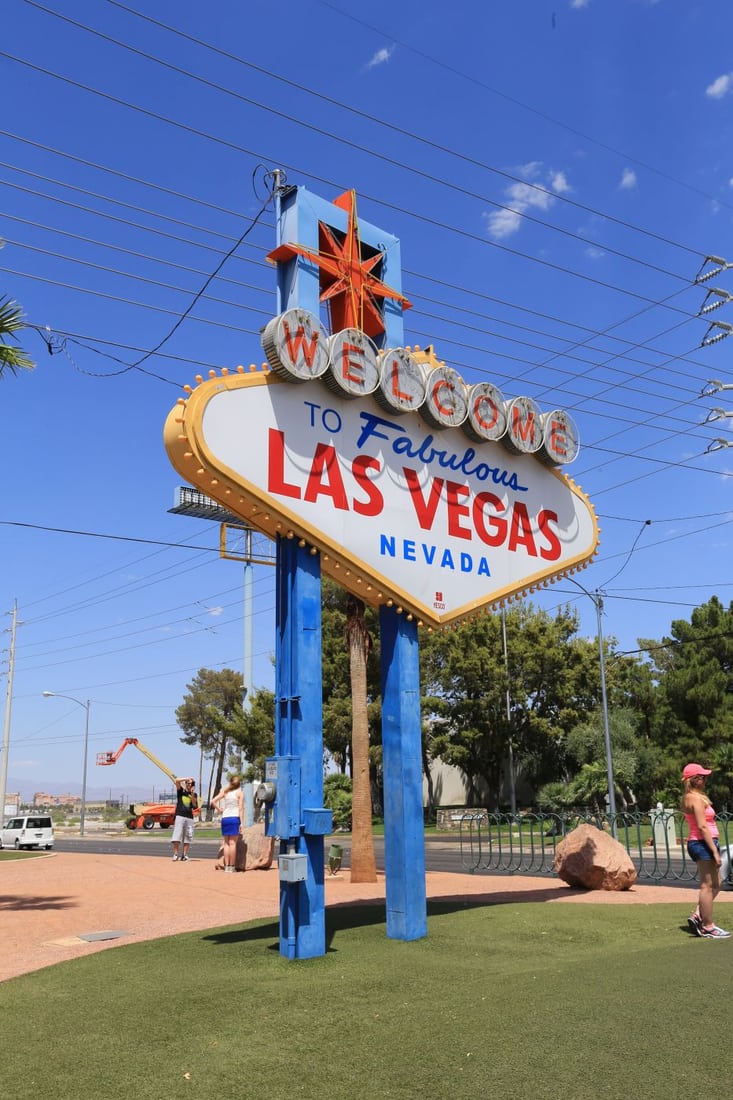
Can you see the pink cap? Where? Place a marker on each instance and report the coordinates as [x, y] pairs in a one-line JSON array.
[[691, 770]]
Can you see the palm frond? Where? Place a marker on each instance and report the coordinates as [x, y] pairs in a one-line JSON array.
[[12, 356]]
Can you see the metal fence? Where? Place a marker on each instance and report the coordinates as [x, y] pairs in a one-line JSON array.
[[525, 843]]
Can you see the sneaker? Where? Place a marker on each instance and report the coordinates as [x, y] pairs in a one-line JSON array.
[[184, 859], [714, 933], [175, 859], [694, 923]]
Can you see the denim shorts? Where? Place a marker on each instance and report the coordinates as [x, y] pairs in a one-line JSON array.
[[230, 826], [698, 849]]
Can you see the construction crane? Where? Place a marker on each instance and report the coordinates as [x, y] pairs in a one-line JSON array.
[[149, 814], [105, 758]]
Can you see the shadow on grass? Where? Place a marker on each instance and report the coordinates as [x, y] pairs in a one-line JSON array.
[[344, 916], [339, 918], [22, 904]]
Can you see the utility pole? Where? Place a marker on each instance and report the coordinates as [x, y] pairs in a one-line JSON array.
[[512, 782], [8, 707], [597, 599], [604, 701]]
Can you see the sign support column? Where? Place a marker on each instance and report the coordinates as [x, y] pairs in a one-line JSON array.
[[404, 841], [299, 740]]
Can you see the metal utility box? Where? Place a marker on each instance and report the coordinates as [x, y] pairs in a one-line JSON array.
[[317, 822], [293, 868], [282, 817]]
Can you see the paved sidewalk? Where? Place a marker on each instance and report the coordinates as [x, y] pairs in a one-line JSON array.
[[48, 904]]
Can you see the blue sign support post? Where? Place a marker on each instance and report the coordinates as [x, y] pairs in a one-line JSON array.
[[404, 842], [299, 748], [299, 214]]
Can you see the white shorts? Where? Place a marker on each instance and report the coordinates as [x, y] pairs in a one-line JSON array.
[[182, 830]]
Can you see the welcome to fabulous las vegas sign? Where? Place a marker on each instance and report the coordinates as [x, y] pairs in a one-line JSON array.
[[417, 489]]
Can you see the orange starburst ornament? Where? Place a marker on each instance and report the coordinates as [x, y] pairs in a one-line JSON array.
[[346, 277]]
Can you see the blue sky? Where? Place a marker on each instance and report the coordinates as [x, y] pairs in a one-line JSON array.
[[557, 174]]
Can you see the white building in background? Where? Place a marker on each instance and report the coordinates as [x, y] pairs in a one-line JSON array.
[[449, 785], [450, 790]]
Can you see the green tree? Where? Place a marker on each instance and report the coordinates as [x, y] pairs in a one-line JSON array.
[[12, 356], [251, 729], [464, 685], [693, 667], [721, 761], [204, 715], [636, 761], [337, 795], [553, 680]]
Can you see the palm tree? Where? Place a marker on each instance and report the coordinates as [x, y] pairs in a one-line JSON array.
[[12, 357], [359, 643]]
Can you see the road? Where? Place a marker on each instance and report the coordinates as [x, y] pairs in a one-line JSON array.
[[441, 853]]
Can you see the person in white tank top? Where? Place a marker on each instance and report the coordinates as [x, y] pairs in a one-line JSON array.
[[230, 803]]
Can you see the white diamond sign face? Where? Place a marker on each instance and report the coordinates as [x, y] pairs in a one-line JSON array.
[[400, 511]]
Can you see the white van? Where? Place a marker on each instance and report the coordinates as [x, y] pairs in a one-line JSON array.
[[28, 831]]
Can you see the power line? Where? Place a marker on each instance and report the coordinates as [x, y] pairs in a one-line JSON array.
[[109, 246], [583, 398], [382, 123], [556, 354], [511, 99], [458, 324], [424, 219], [194, 300], [534, 366], [199, 201], [546, 362], [105, 535]]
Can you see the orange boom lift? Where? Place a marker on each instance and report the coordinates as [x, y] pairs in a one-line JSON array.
[[149, 814]]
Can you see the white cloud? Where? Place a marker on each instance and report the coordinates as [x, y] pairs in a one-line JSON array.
[[594, 253], [215, 611], [720, 86], [559, 183], [628, 180], [578, 3], [381, 57], [531, 169], [521, 197], [502, 223]]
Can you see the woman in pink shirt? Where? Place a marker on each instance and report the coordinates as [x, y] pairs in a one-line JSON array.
[[704, 849]]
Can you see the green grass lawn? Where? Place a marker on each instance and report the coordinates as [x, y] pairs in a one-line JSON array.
[[10, 853], [525, 1001]]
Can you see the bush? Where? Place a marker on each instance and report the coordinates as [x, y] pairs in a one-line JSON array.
[[554, 797], [337, 798]]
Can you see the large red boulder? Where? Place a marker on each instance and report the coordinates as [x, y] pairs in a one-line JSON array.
[[591, 858]]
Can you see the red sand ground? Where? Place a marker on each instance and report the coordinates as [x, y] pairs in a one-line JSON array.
[[48, 903]]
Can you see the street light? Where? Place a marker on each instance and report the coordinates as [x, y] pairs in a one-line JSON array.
[[58, 695]]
